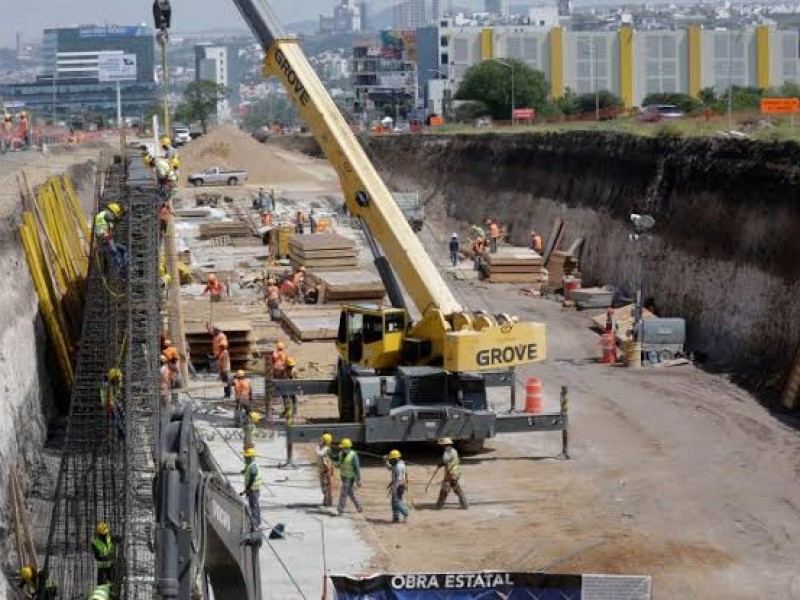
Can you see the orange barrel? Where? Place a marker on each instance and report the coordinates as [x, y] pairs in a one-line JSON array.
[[609, 344], [533, 395]]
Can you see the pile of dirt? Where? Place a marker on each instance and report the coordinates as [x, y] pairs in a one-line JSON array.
[[227, 147]]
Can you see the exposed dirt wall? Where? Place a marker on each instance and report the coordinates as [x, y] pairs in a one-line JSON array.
[[724, 253]]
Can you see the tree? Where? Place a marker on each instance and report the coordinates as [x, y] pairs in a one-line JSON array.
[[200, 99], [471, 110], [276, 108], [490, 82]]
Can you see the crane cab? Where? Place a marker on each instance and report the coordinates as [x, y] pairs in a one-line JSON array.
[[372, 336]]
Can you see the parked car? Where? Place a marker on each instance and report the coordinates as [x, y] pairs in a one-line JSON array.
[[216, 176], [656, 112], [180, 136]]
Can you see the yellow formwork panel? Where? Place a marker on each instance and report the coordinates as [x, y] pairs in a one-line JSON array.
[[762, 56]]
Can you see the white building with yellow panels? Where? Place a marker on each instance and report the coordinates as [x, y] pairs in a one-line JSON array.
[[629, 63]]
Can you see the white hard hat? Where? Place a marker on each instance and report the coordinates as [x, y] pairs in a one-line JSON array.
[[455, 235]]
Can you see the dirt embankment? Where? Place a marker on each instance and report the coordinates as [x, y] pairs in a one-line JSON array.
[[724, 253]]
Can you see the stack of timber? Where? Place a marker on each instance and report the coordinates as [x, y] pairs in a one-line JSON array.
[[307, 323], [323, 252], [514, 265], [348, 286], [225, 228], [560, 265], [239, 343]]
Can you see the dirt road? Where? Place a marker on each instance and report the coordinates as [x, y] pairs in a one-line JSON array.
[[676, 473]]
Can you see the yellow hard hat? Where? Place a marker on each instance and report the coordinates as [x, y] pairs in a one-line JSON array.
[[445, 442], [175, 163], [250, 453], [290, 362], [115, 374], [395, 454], [163, 358], [102, 528], [279, 345], [168, 342], [240, 373], [115, 208], [255, 417], [302, 269], [165, 141], [212, 277], [345, 444], [326, 439], [26, 573]]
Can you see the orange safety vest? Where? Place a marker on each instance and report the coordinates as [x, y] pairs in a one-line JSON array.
[[479, 245], [163, 212], [297, 278], [217, 342], [537, 243], [214, 288], [171, 353], [494, 231], [279, 360], [242, 387]]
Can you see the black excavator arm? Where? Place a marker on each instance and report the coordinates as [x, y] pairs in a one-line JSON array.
[[206, 540]]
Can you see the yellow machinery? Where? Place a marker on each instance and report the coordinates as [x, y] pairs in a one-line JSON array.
[[390, 369]]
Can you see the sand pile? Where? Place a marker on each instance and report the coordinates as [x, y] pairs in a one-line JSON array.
[[227, 147]]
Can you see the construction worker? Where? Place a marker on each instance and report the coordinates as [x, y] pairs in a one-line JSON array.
[[261, 202], [299, 225], [110, 392], [104, 222], [102, 592], [279, 361], [536, 242], [165, 380], [243, 396], [476, 231], [312, 221], [165, 175], [248, 429], [455, 248], [478, 249], [166, 146], [27, 584], [252, 484], [164, 213], [214, 288], [169, 350], [350, 471], [273, 198], [494, 235], [325, 468], [273, 297], [104, 553], [290, 400], [299, 283], [397, 486], [224, 367], [452, 475]]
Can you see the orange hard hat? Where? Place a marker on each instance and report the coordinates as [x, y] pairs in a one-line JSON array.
[[212, 277]]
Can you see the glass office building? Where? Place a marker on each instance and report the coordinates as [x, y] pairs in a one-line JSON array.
[[70, 86]]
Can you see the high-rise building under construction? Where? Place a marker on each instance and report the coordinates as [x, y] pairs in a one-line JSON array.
[[409, 14]]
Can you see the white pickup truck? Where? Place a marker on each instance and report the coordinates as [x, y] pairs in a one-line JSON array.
[[216, 176]]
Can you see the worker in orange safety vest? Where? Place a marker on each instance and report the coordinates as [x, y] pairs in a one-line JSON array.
[[243, 395], [279, 358], [214, 288]]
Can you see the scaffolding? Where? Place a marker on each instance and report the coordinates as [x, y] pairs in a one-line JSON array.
[[107, 463]]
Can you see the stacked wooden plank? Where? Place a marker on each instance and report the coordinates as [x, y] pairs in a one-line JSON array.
[[225, 228], [622, 321], [306, 323], [348, 286], [323, 252], [239, 342], [560, 265], [514, 265]]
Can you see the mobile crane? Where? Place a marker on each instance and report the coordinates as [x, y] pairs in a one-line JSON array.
[[398, 380]]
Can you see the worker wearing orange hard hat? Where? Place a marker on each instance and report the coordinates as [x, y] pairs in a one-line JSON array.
[[243, 396], [214, 288]]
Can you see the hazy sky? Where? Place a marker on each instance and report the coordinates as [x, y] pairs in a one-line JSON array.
[[31, 16]]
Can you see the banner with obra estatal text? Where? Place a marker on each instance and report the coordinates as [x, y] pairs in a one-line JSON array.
[[491, 585]]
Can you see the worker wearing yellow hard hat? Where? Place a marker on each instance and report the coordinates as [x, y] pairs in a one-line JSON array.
[[325, 468], [104, 552], [249, 422], [452, 475], [398, 486], [350, 471], [252, 485]]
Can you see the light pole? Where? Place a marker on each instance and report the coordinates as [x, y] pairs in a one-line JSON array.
[[641, 224], [510, 66]]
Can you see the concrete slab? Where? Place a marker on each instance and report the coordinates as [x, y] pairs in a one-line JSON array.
[[294, 567]]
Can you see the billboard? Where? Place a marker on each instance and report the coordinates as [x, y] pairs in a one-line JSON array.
[[96, 31], [115, 66], [399, 44], [483, 585]]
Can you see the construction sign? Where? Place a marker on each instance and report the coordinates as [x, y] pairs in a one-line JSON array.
[[780, 106], [491, 584]]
